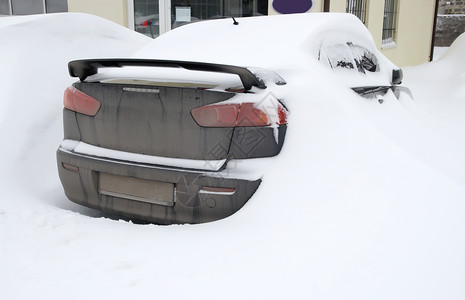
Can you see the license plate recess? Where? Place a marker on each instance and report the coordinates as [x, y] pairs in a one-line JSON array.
[[155, 192]]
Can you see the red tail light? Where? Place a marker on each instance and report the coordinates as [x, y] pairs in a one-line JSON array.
[[216, 115], [77, 101], [282, 114], [251, 116], [242, 115]]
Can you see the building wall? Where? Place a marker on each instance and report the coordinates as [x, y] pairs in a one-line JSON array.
[[448, 28], [450, 22], [415, 21], [113, 10], [450, 7], [415, 32], [318, 5]]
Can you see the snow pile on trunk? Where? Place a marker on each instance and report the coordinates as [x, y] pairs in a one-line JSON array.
[[366, 200]]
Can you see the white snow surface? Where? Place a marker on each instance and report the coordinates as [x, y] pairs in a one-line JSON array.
[[365, 201], [271, 42], [438, 52]]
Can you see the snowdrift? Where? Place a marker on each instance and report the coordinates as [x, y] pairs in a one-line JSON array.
[[35, 51], [446, 75], [366, 200]]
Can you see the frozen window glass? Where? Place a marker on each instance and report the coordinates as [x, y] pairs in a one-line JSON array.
[[27, 7], [358, 8], [390, 23], [364, 59], [54, 6], [4, 7]]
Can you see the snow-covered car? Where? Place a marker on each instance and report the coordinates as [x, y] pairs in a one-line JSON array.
[[182, 132]]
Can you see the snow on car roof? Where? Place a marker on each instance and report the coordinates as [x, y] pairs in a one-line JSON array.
[[278, 43], [266, 41]]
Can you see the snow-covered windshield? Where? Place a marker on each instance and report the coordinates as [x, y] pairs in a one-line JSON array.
[[348, 56]]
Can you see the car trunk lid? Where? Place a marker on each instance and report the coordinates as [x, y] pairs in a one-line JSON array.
[[153, 120]]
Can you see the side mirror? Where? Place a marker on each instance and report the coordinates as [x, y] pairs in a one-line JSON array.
[[397, 76]]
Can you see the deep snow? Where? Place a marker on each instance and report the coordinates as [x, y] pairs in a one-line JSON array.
[[366, 200]]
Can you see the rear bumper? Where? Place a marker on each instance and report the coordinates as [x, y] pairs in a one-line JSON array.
[[189, 204]]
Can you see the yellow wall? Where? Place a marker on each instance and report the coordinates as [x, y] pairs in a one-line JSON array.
[[113, 10], [415, 23], [317, 6], [337, 6]]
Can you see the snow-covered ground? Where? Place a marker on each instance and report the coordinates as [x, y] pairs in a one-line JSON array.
[[366, 200], [438, 52]]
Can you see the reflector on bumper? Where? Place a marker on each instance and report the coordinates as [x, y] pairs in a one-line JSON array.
[[217, 191]]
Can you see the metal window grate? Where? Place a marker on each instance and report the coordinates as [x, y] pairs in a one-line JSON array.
[[358, 8], [389, 21]]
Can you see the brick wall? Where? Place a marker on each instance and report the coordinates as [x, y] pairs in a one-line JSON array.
[[451, 7], [448, 28]]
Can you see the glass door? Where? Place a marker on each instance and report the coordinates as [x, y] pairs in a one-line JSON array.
[[147, 17], [187, 11], [155, 17]]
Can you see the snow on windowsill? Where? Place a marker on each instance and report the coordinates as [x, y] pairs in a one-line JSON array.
[[388, 43]]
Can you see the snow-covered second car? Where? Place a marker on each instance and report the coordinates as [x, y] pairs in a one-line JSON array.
[[180, 134]]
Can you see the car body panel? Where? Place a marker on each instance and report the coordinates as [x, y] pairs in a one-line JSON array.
[[144, 138], [145, 134], [153, 123], [190, 206]]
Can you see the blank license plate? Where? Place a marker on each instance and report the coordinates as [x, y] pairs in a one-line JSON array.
[[150, 191]]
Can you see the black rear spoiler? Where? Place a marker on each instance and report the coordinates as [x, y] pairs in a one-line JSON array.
[[88, 67]]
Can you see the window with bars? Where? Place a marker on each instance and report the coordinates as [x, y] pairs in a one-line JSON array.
[[358, 8], [390, 23], [27, 7]]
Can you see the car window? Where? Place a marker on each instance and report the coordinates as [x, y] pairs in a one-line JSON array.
[[348, 56]]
